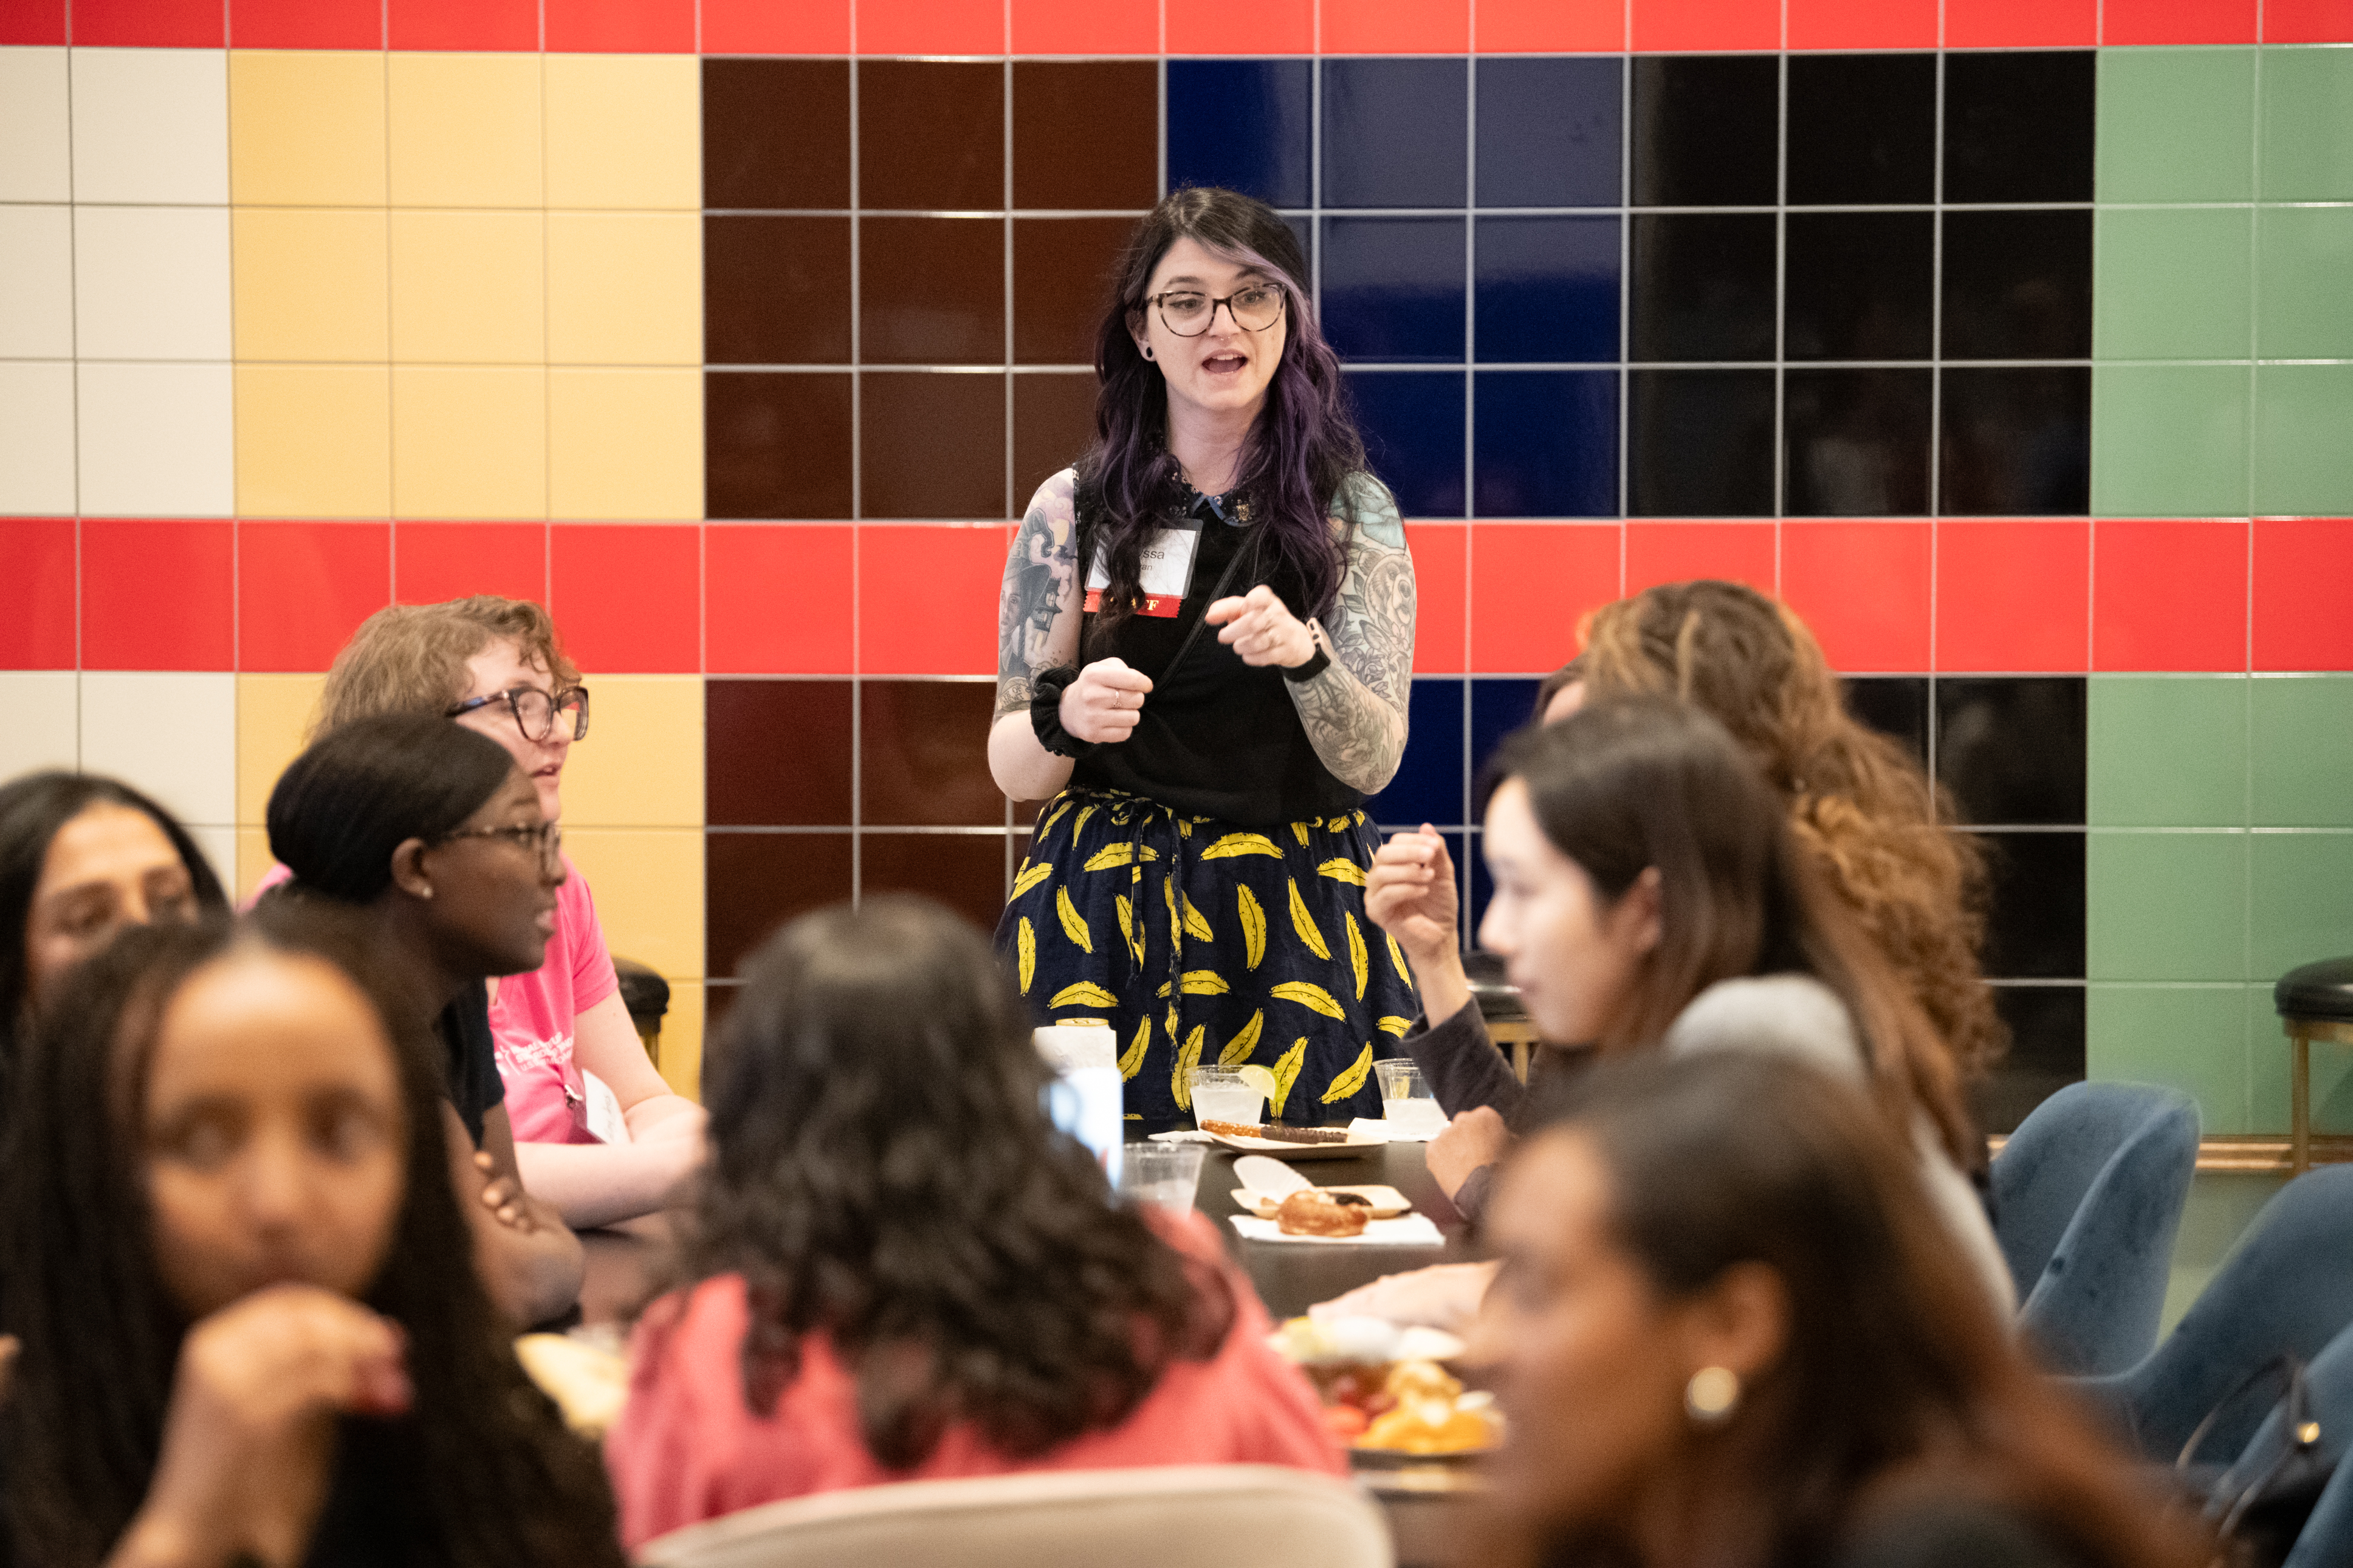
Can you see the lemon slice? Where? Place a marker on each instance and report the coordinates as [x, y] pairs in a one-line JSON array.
[[1258, 1078]]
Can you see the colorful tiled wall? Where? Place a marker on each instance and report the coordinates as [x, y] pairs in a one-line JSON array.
[[2009, 342]]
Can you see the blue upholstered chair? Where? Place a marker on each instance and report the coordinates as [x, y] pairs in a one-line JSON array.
[[2326, 1540], [2087, 1196]]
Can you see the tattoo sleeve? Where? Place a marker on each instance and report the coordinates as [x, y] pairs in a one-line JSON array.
[[1037, 606], [1355, 711]]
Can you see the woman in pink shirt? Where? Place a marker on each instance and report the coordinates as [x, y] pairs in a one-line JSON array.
[[899, 1270]]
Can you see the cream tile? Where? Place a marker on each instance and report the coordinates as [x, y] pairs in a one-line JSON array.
[[682, 1038], [314, 441], [220, 846], [273, 711], [36, 437], [641, 765], [625, 443], [312, 283], [36, 258], [172, 735], [43, 723], [469, 287], [152, 284], [466, 130], [306, 127], [35, 127], [624, 288], [624, 130], [469, 442], [150, 125], [648, 888], [156, 441], [253, 863]]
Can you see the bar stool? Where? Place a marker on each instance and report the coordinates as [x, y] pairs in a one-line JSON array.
[[2314, 1002], [1498, 1000], [647, 996]]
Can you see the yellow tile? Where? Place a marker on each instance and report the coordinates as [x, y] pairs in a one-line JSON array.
[[682, 1038], [624, 288], [624, 130], [313, 441], [273, 711], [641, 765], [253, 862], [625, 443], [466, 130], [649, 887], [469, 442], [469, 287], [306, 127], [310, 283]]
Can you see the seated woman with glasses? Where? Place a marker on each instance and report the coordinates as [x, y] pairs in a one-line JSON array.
[[599, 1132]]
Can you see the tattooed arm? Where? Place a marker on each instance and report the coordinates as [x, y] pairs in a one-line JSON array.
[[1037, 629], [1354, 711]]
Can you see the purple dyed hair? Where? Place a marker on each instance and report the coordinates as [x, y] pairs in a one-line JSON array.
[[1302, 446]]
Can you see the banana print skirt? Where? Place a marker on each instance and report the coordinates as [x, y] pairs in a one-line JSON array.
[[1198, 941]]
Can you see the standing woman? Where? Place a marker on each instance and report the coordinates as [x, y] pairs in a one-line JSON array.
[[1204, 647]]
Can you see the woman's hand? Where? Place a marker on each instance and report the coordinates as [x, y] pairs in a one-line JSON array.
[[1105, 703], [1410, 893], [503, 1197], [1475, 1138], [1262, 628]]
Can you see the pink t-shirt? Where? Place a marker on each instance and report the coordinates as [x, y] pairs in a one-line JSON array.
[[687, 1450]]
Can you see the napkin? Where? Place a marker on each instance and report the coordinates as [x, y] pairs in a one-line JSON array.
[[1406, 1230], [1181, 1135], [1381, 1130]]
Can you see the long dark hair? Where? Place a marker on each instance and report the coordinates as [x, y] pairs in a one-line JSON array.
[[1302, 448], [481, 1472], [364, 788], [1897, 1385], [1627, 783], [881, 1171]]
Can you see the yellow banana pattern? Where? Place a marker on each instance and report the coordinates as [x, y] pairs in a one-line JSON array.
[[1032, 875], [1234, 843], [1027, 942], [1085, 993], [1073, 926], [1358, 960], [1390, 1023], [1307, 993], [1342, 869], [1204, 983], [1131, 1062], [1195, 925], [1238, 1049], [1188, 1056], [1350, 1081], [1304, 923], [1131, 930], [1253, 927], [1396, 956], [1286, 1073]]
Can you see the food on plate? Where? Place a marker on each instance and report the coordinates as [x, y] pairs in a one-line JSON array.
[[1275, 1133], [1428, 1427], [1315, 1212], [588, 1381]]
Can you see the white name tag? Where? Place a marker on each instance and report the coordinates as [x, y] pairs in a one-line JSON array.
[[1168, 571]]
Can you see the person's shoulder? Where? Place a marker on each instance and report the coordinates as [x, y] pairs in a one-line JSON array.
[[1365, 502], [1055, 500], [1951, 1532], [1791, 1014]]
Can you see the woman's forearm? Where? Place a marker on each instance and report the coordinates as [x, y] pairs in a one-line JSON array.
[[1356, 734], [1022, 768], [596, 1183]]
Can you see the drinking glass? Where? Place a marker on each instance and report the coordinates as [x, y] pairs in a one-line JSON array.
[[1161, 1175], [1220, 1095], [1407, 1102]]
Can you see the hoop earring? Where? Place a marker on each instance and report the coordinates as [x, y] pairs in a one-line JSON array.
[[1712, 1395]]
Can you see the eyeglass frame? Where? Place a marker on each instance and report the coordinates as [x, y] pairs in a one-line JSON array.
[[556, 703], [1161, 309], [550, 848]]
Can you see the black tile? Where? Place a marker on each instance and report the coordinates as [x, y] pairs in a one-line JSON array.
[[931, 290], [2018, 284], [776, 133], [1063, 285], [1247, 125], [755, 882], [923, 754], [1699, 443], [2035, 927], [1857, 442], [2011, 747], [965, 871], [1862, 129], [775, 444], [776, 290], [1860, 285], [1548, 131], [1395, 133], [1429, 782], [1412, 421], [931, 445], [2018, 126], [930, 134], [1701, 286], [1706, 130], [2016, 442], [1086, 133], [1393, 288], [1895, 705], [776, 753], [2046, 1053]]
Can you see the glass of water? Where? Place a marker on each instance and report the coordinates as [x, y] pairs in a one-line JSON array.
[[1219, 1094], [1162, 1175], [1407, 1102]]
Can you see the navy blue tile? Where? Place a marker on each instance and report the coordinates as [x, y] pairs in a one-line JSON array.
[[1412, 421], [1242, 124], [1302, 229], [1500, 705], [1429, 782], [1548, 131], [1393, 288], [1545, 443], [1548, 289], [1395, 132]]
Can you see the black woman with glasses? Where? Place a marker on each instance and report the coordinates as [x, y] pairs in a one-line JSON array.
[[1204, 647]]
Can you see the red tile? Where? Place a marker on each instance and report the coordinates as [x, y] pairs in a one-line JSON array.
[[147, 24], [463, 24], [1660, 552], [2013, 596], [769, 28], [2178, 21], [432, 562], [157, 595], [629, 596], [36, 592], [1442, 596], [1086, 27], [1215, 26], [306, 23], [621, 26], [1707, 24], [2169, 596], [778, 598], [931, 26], [927, 598], [33, 22], [1863, 24], [302, 588], [1861, 587], [1396, 26], [2018, 24], [1530, 582], [2302, 564], [2308, 21], [1544, 27]]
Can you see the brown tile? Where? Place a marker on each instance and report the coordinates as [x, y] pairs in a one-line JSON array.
[[1086, 134], [717, 997], [932, 290], [923, 749], [965, 871], [775, 444], [1062, 284], [932, 445], [755, 882], [776, 133], [931, 135], [776, 753], [776, 290], [1053, 425]]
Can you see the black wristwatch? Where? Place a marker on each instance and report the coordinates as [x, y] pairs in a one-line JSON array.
[[1316, 664]]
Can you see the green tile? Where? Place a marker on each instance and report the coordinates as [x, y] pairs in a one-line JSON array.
[[2300, 734], [2168, 440], [2165, 905], [2171, 282], [2304, 439], [2307, 277], [2308, 125], [2302, 900], [2269, 1063], [2176, 125], [2167, 751], [2192, 1038]]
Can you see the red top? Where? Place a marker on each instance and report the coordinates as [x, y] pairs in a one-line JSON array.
[[687, 1450]]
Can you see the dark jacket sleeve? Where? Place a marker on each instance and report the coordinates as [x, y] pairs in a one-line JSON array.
[[1463, 1065]]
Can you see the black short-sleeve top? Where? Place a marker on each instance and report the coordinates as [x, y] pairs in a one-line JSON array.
[[470, 1066]]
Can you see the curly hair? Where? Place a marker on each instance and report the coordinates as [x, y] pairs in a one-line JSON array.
[[1879, 826], [411, 659], [882, 1171]]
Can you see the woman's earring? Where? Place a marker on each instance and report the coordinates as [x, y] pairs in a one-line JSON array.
[[1712, 1395], [1147, 351]]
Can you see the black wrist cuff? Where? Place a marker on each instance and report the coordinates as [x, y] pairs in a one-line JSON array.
[[1316, 665], [1046, 713]]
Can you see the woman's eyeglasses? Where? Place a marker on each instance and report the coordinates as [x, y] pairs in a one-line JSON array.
[[544, 839], [534, 711], [1188, 312]]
